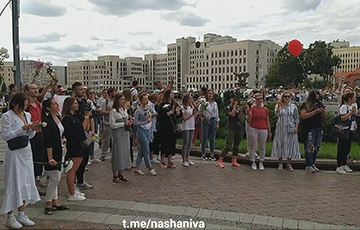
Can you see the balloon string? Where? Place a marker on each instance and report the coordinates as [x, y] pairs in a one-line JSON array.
[[304, 72]]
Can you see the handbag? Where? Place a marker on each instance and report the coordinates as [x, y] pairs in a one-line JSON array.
[[291, 127], [19, 142], [179, 127], [88, 141], [341, 128], [206, 121]]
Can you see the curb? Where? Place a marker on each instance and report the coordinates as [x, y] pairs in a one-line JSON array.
[[323, 164]]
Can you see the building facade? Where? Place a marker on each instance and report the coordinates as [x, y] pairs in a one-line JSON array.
[[350, 56], [7, 73]]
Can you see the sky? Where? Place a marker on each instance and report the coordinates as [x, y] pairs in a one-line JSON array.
[[71, 30]]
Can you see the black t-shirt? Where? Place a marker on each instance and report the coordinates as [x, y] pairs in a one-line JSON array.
[[314, 121], [233, 122]]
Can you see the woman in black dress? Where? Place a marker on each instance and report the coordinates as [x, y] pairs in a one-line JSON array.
[[168, 113]]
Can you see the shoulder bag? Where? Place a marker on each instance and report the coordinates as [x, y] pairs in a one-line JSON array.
[[19, 142]]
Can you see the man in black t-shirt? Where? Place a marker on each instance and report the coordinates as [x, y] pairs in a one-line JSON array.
[[234, 132]]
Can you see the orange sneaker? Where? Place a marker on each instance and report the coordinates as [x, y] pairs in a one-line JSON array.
[[220, 164], [234, 163]]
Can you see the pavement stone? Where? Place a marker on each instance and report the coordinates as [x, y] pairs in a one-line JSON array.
[[283, 199], [291, 224], [273, 221], [218, 215], [306, 225], [232, 216]]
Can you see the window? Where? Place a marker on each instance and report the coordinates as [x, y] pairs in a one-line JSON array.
[[244, 52], [244, 59], [232, 53], [244, 68], [219, 70]]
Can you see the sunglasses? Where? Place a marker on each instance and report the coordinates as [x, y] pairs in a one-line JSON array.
[[91, 92], [258, 99], [287, 96]]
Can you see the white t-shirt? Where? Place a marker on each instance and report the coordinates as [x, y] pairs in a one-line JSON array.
[[189, 124], [345, 109]]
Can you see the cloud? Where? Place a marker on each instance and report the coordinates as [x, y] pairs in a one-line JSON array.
[[186, 18], [143, 33], [300, 6], [65, 50], [141, 47], [51, 37], [94, 38], [125, 7], [42, 8]]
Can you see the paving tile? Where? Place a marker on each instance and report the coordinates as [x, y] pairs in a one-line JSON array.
[[118, 219], [127, 205], [178, 210], [164, 209], [152, 208], [115, 204], [204, 213], [213, 227], [246, 218], [139, 207], [93, 217], [63, 215], [275, 222], [96, 203], [352, 227], [292, 224], [262, 220], [306, 225], [218, 215], [232, 216], [191, 211]]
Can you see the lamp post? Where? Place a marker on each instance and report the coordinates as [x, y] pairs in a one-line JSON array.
[[16, 43], [334, 68]]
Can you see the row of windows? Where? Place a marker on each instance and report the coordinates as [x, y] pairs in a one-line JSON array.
[[348, 55], [220, 70], [350, 61], [215, 86], [212, 78]]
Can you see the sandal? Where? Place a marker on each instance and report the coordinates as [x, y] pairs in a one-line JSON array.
[[60, 207], [122, 178], [171, 165], [116, 179], [49, 211]]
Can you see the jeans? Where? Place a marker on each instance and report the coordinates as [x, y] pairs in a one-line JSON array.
[[208, 131], [187, 136], [143, 137], [312, 145]]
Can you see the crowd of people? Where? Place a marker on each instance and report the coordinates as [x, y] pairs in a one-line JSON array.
[[37, 131]]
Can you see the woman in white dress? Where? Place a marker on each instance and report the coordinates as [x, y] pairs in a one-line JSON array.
[[286, 144], [20, 188]]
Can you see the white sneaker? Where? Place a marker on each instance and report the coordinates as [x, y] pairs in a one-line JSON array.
[[261, 166], [152, 172], [12, 223], [95, 160], [191, 163], [253, 166], [25, 221], [310, 169], [281, 167], [77, 192], [347, 169], [340, 170], [186, 164], [89, 163], [155, 161], [76, 197]]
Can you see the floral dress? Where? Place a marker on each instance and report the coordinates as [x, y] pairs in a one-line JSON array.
[[286, 144]]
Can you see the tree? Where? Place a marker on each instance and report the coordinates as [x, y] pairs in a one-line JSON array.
[[319, 59], [3, 55], [286, 70]]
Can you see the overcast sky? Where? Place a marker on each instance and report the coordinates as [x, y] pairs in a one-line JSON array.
[[69, 30]]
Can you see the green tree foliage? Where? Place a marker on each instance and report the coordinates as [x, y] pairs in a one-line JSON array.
[[316, 84], [286, 70], [319, 59], [289, 70], [3, 55]]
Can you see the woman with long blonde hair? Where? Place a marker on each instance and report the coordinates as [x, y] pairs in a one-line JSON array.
[[286, 144]]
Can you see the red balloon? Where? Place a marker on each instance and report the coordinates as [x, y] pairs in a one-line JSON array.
[[295, 48]]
